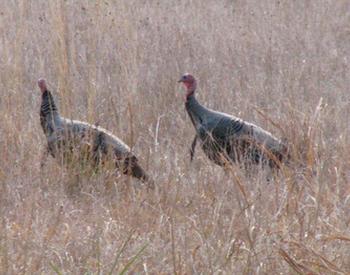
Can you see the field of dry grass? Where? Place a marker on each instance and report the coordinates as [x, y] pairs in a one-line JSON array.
[[284, 65]]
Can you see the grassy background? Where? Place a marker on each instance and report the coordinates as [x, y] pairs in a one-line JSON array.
[[283, 65]]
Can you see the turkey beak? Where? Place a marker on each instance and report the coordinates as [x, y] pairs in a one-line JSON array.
[[181, 80]]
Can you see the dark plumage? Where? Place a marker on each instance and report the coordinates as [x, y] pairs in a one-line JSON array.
[[70, 139], [225, 138]]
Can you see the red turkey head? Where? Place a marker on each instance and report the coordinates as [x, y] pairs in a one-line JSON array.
[[190, 82], [42, 85]]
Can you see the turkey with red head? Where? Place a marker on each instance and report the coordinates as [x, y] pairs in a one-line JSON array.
[[226, 139], [71, 140]]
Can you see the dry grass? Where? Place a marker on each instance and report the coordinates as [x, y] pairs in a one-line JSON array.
[[116, 63]]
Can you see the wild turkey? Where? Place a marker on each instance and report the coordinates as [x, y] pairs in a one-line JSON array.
[[69, 138], [226, 138]]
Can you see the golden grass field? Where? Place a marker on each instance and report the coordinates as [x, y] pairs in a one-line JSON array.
[[284, 65]]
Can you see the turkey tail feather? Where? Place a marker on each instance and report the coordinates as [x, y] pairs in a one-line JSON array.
[[131, 167]]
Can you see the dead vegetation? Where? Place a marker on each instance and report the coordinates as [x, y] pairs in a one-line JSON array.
[[283, 65]]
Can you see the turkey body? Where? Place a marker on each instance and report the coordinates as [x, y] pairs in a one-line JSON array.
[[225, 138], [72, 142]]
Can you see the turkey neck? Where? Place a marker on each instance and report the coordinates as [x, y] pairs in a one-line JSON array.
[[49, 116], [195, 110]]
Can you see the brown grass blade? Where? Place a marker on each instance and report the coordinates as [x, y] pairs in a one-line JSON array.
[[299, 268], [270, 120]]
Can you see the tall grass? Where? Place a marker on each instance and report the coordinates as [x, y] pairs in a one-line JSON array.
[[283, 65]]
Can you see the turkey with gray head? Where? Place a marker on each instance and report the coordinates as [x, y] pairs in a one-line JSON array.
[[226, 139], [73, 141]]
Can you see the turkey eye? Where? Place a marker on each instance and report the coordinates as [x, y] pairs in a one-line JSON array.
[[185, 77]]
